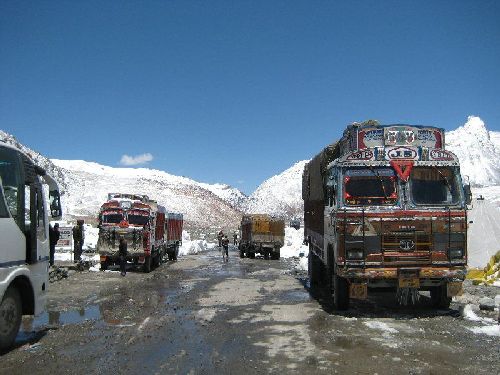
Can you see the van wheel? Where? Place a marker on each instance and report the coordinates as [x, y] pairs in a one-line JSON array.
[[340, 293], [147, 264], [10, 317]]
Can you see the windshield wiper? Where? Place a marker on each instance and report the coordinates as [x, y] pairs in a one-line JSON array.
[[443, 178], [380, 180]]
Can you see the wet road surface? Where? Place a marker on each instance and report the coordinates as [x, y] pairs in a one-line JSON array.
[[200, 315]]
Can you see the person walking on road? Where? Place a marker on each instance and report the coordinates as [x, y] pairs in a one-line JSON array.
[[122, 253], [225, 248], [235, 238], [54, 236], [77, 232], [220, 236]]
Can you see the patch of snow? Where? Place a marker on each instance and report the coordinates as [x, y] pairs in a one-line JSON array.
[[293, 246], [490, 330], [381, 326], [193, 247]]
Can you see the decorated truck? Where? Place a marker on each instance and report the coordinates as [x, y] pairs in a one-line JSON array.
[[152, 234], [24, 239], [385, 207], [261, 234]]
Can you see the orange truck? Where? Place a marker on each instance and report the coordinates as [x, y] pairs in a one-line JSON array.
[[385, 207], [152, 234], [261, 234]]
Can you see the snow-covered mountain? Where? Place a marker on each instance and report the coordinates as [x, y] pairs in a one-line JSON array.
[[85, 186], [478, 151], [280, 195]]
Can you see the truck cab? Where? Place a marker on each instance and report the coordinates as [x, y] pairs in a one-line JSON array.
[[24, 239]]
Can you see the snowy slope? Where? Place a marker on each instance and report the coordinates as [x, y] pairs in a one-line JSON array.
[[478, 151], [85, 186], [280, 195]]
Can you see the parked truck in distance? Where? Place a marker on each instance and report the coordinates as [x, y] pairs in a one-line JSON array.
[[385, 207], [261, 234], [152, 234], [24, 239]]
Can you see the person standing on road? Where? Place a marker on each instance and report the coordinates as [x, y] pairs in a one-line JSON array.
[[220, 236], [122, 253], [77, 242], [54, 236], [235, 238], [225, 248]]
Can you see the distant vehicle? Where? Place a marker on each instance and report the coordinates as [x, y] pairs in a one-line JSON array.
[[24, 239], [384, 207], [295, 223], [151, 233], [261, 234]]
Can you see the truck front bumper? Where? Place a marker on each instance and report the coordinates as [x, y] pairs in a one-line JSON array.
[[371, 273]]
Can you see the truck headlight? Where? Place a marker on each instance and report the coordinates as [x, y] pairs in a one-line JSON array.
[[456, 253], [354, 254]]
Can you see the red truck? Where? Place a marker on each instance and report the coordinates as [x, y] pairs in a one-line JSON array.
[[152, 234]]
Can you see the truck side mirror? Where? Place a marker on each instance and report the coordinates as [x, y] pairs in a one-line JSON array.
[[468, 194], [55, 204]]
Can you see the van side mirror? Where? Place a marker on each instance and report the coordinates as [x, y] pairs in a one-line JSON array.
[[55, 204], [468, 194]]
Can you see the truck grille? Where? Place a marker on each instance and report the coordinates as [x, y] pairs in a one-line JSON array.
[[406, 247]]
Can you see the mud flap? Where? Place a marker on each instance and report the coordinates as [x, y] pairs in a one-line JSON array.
[[454, 288], [358, 291]]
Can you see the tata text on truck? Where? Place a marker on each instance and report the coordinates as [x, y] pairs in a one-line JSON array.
[[151, 233], [261, 234], [24, 239], [385, 207]]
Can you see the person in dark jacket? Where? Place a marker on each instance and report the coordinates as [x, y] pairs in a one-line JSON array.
[[225, 248], [235, 238], [122, 253], [54, 236], [78, 238]]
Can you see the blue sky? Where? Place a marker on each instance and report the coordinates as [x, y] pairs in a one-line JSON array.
[[237, 91]]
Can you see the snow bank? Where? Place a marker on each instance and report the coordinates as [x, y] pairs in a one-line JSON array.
[[485, 219], [293, 246], [193, 247]]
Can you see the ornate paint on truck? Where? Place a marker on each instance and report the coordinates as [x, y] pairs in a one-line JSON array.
[[143, 224], [385, 207]]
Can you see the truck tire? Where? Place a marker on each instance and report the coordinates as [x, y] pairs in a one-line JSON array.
[[242, 253], [147, 264], [275, 255], [439, 297], [104, 266], [313, 269], [340, 293], [156, 261], [10, 317], [251, 255]]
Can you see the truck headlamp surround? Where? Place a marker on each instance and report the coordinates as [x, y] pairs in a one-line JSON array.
[[354, 254]]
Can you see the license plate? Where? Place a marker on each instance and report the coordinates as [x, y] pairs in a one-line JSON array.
[[409, 282], [358, 291], [454, 288]]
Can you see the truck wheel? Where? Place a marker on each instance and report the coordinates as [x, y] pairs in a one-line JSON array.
[[104, 266], [276, 254], [147, 264], [312, 270], [251, 255], [242, 253], [439, 297], [156, 261], [340, 293], [266, 254], [10, 317]]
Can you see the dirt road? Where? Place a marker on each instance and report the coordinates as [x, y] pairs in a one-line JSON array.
[[200, 315]]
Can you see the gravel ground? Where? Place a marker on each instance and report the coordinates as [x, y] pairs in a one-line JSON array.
[[200, 315]]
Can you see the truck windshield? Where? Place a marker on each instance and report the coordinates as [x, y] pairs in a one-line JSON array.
[[434, 186], [137, 218], [114, 217], [370, 186]]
